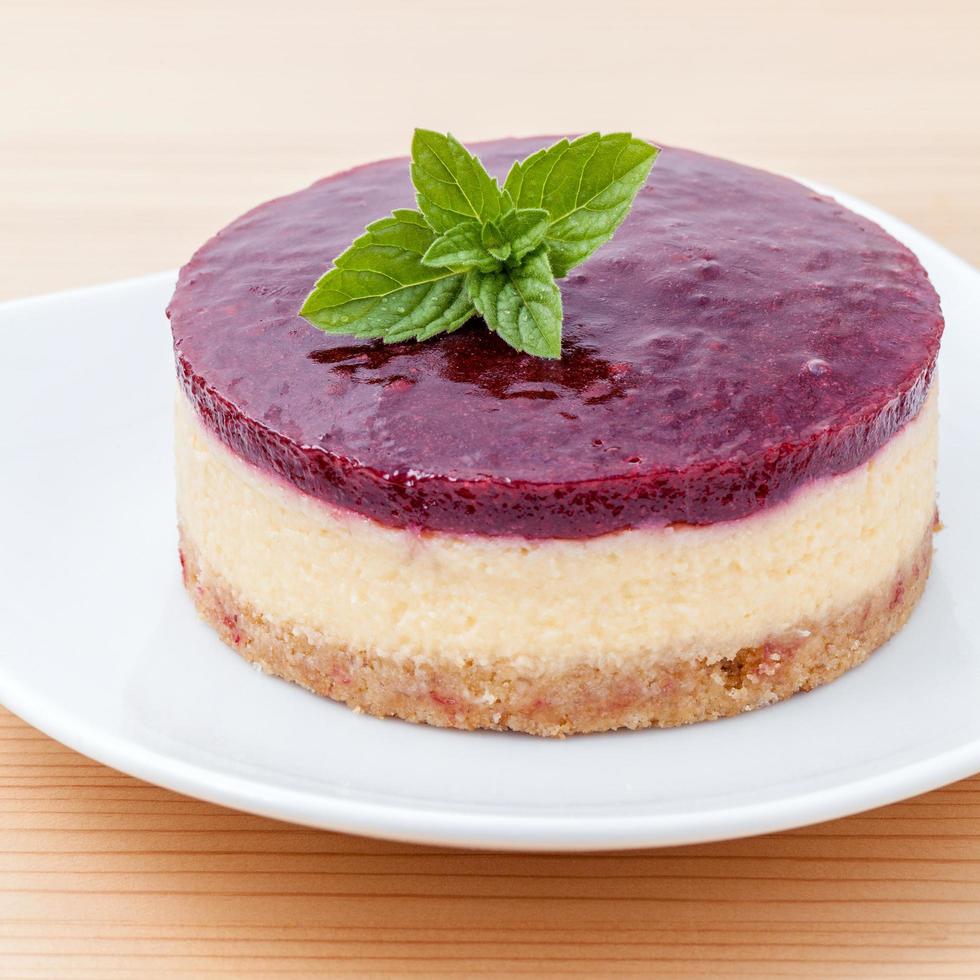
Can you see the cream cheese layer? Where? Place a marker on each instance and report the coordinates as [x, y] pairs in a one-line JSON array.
[[676, 592]]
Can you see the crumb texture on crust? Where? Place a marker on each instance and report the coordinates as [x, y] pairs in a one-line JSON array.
[[574, 696]]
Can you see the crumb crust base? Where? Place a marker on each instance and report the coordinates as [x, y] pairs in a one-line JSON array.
[[656, 691]]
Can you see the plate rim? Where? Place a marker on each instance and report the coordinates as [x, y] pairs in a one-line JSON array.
[[490, 830]]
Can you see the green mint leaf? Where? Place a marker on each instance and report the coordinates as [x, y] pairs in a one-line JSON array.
[[524, 230], [461, 248], [474, 247], [495, 242], [522, 305], [452, 185], [587, 187], [380, 288], [471, 246]]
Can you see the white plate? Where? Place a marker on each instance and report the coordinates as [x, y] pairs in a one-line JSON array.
[[101, 649]]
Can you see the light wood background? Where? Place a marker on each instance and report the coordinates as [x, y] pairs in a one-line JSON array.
[[129, 132]]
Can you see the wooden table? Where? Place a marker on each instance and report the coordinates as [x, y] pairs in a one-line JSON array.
[[128, 133]]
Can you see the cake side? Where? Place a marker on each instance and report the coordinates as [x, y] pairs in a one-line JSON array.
[[677, 591]]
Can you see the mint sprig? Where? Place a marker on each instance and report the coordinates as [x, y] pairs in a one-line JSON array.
[[474, 247]]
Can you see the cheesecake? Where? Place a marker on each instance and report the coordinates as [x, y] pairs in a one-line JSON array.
[[722, 493]]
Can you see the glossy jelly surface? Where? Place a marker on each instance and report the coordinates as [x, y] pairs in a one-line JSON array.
[[739, 337]]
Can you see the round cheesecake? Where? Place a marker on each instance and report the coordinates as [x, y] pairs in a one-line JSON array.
[[722, 493]]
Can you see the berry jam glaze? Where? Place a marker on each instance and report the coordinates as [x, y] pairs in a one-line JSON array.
[[739, 337]]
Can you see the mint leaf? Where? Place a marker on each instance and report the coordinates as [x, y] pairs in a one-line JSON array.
[[524, 230], [461, 248], [522, 305], [587, 187], [472, 246], [452, 185], [495, 242], [380, 288]]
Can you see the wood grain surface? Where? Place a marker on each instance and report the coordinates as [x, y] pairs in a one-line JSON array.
[[129, 132]]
